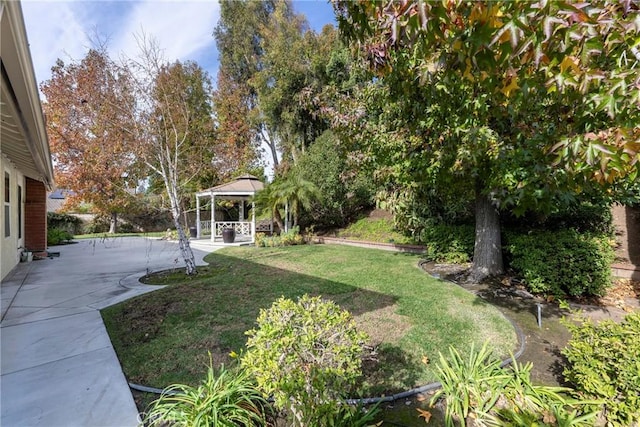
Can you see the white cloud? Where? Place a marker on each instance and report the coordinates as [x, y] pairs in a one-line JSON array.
[[54, 31], [65, 29], [181, 28]]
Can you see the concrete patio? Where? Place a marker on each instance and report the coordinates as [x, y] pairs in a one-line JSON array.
[[58, 366]]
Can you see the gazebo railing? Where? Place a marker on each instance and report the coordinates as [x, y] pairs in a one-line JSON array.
[[241, 227], [205, 227]]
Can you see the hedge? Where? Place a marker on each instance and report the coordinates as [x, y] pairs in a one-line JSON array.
[[562, 263]]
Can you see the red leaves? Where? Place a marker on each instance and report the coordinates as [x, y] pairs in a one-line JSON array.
[[87, 108]]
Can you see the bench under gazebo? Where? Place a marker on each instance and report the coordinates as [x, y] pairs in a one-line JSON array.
[[240, 191]]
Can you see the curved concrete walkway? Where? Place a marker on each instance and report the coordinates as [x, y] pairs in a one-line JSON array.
[[58, 365]]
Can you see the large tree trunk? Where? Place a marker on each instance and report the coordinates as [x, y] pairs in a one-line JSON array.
[[113, 225], [487, 251]]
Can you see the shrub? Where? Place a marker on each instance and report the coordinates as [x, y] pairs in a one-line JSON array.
[[55, 236], [342, 193], [449, 243], [305, 354], [226, 398], [70, 223], [289, 238], [584, 217], [477, 391], [563, 262], [99, 224], [604, 363]]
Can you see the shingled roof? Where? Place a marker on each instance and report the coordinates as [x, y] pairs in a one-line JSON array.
[[245, 184]]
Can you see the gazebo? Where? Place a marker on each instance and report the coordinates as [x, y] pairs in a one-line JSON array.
[[242, 189]]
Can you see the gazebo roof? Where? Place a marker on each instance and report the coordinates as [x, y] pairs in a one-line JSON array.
[[243, 185]]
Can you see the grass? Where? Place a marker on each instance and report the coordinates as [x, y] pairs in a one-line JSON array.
[[163, 337], [374, 230]]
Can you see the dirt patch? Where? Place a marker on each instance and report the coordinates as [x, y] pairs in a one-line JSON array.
[[540, 320], [380, 213]]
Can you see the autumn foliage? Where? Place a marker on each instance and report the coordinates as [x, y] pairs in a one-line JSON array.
[[94, 152]]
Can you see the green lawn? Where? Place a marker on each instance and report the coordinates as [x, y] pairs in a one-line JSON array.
[[163, 337]]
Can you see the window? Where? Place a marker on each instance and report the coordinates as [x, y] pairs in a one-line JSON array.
[[19, 212], [7, 205]]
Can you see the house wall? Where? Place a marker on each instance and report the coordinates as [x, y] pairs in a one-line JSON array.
[[12, 214]]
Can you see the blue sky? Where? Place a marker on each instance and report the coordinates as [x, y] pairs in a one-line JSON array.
[[65, 28]]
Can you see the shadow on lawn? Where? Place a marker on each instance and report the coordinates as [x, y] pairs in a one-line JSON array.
[[387, 369], [211, 312], [264, 284]]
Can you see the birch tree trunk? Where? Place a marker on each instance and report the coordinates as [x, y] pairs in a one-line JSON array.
[[183, 240]]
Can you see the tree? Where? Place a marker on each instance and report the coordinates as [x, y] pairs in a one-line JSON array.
[[268, 201], [287, 77], [291, 192], [272, 63], [175, 126], [526, 103], [240, 50], [94, 155], [342, 193], [235, 150], [298, 193]]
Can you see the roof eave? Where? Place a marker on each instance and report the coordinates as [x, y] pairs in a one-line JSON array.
[[21, 80]]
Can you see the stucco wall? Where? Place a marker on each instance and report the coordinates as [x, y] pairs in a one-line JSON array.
[[12, 245]]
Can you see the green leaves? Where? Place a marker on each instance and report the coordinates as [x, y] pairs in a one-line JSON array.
[[603, 363], [305, 354], [225, 398], [477, 390], [569, 67], [562, 262], [469, 386]]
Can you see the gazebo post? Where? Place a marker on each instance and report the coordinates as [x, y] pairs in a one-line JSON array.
[[242, 189], [197, 216], [253, 222], [213, 217]]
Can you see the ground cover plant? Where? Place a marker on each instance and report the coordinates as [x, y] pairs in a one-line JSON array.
[[478, 391], [225, 398], [286, 238], [603, 363], [374, 230], [163, 337]]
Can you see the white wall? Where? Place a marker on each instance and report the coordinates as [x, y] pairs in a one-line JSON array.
[[12, 244]]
